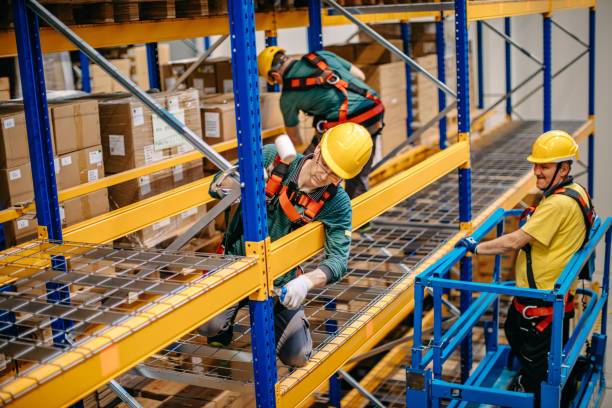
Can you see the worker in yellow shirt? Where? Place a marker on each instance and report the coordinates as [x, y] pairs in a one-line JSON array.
[[554, 231]]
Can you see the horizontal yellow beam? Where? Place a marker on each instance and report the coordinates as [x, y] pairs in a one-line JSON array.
[[108, 181], [486, 9], [134, 217], [295, 248], [76, 373]]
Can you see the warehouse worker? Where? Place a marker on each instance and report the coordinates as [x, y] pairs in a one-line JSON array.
[[329, 88], [306, 190], [554, 231]]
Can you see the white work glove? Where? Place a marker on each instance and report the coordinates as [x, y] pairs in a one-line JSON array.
[[293, 293]]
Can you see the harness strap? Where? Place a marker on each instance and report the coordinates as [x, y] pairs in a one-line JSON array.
[[546, 312]]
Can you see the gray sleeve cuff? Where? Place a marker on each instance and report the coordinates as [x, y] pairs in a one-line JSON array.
[[327, 271]]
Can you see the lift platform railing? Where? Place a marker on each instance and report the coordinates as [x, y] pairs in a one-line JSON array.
[[425, 383]]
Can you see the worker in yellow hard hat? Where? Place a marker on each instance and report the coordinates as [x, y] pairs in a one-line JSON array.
[[557, 227], [328, 88], [307, 189]]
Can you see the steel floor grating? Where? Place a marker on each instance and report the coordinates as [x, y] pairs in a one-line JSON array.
[[108, 287], [395, 243]]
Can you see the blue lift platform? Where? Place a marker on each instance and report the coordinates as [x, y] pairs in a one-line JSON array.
[[487, 382]]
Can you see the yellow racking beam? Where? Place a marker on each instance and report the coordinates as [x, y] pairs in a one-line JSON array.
[[78, 372], [295, 248]]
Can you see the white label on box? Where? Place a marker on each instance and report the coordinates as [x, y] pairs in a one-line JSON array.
[[66, 161], [152, 156], [177, 173], [161, 224], [184, 148], [163, 135], [56, 165], [170, 83], [95, 157], [173, 103], [198, 83], [210, 90], [15, 174], [145, 184], [189, 213], [137, 116], [117, 145], [92, 175], [212, 124], [21, 224], [62, 212], [9, 123], [228, 85]]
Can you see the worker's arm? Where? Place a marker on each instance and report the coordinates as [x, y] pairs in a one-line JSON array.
[[357, 73], [337, 217], [506, 243], [294, 134]]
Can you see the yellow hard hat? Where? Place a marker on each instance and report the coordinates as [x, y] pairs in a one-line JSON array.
[[554, 146], [265, 59], [346, 148]]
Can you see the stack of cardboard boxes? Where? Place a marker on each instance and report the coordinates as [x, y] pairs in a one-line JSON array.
[[133, 137], [76, 135], [212, 76]]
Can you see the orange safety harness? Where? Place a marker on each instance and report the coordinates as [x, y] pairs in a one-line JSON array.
[[289, 195], [330, 78], [588, 213]]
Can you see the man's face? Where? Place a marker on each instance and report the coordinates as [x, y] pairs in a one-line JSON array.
[[545, 172], [320, 174]]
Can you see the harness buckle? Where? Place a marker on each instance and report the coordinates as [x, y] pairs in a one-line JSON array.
[[332, 79], [320, 126], [525, 314]]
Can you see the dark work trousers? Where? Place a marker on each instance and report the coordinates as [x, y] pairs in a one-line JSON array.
[[531, 347], [359, 184], [291, 329]]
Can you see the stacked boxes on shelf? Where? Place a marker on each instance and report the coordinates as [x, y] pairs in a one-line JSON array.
[[5, 88], [132, 137], [212, 76], [78, 150]]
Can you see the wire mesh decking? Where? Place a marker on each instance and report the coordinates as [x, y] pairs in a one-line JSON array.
[[109, 288], [394, 244]]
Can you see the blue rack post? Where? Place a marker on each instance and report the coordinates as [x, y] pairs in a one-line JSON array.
[[250, 162], [465, 173], [480, 64], [153, 66], [335, 388], [315, 26], [591, 174], [85, 73], [547, 23], [508, 52], [271, 38], [406, 38], [441, 59], [206, 43], [41, 148]]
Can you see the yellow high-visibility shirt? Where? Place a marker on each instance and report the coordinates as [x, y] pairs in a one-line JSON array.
[[558, 229]]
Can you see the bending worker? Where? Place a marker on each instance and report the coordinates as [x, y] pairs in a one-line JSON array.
[[329, 88], [554, 231], [306, 190]]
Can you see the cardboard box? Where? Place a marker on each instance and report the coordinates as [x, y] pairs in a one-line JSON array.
[[189, 217], [218, 121], [102, 82], [82, 166], [346, 51], [20, 230], [140, 65], [5, 84], [143, 187], [76, 125], [16, 185], [84, 207], [392, 136], [223, 73], [13, 138], [374, 53], [186, 173], [271, 115], [133, 137], [155, 234], [204, 79], [395, 105], [385, 77], [5, 95]]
